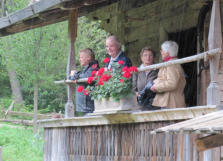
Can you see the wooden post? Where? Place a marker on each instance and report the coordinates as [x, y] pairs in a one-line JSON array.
[[0, 153], [72, 28], [35, 126], [214, 41], [208, 142]]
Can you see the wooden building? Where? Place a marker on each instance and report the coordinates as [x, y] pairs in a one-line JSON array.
[[204, 131], [125, 136]]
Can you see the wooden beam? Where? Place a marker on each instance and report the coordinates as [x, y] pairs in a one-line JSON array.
[[71, 64], [28, 114], [78, 4], [70, 81], [208, 142], [0, 153], [23, 122], [45, 17], [122, 117], [214, 41]]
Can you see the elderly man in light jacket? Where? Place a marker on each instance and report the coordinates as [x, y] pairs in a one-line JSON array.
[[170, 83]]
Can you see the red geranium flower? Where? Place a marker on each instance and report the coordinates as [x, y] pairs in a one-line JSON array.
[[100, 83], [125, 69], [93, 73], [133, 69], [101, 71], [105, 77], [90, 79], [122, 80], [127, 75], [80, 89], [86, 92], [121, 62], [106, 60], [94, 66]]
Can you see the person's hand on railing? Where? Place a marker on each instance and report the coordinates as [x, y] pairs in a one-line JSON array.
[[72, 72], [137, 94]]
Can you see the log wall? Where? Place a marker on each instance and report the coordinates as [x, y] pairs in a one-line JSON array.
[[121, 142], [140, 23]]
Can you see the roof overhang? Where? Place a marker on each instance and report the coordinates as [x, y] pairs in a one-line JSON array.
[[46, 12], [211, 123]]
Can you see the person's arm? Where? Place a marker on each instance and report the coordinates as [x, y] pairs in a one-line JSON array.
[[86, 73], [170, 84]]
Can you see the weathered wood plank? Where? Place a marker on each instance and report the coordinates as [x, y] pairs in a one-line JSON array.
[[40, 116], [44, 5], [209, 142], [127, 117], [0, 153], [71, 63], [23, 122], [4, 22], [214, 41]]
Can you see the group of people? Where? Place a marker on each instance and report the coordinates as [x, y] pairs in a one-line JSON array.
[[155, 89]]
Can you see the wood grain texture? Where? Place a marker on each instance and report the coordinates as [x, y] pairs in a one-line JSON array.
[[121, 142], [209, 142]]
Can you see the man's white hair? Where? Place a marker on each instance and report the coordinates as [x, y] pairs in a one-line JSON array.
[[171, 47], [115, 39]]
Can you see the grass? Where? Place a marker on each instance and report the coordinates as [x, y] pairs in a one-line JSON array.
[[19, 143]]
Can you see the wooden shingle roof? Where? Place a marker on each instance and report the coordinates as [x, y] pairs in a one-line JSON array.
[[211, 123]]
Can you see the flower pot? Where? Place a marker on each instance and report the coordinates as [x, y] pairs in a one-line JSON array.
[[109, 105]]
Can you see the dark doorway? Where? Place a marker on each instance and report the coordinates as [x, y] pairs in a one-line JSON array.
[[187, 41]]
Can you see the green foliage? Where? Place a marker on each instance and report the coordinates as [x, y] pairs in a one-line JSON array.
[[40, 56], [90, 35], [112, 83], [20, 144], [4, 81], [5, 102]]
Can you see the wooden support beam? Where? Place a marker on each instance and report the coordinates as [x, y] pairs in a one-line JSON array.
[[208, 142], [23, 122], [0, 153], [71, 65], [72, 5], [214, 41], [9, 109], [28, 114]]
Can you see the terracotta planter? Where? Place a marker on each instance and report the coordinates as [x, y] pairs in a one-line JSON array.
[[109, 105]]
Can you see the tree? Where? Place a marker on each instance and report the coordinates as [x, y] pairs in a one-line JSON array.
[[39, 57], [15, 86]]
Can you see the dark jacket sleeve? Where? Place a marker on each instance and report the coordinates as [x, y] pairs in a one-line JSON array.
[[134, 83], [153, 74], [86, 73], [127, 61]]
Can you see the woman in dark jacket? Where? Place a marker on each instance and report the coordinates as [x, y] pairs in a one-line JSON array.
[[84, 103], [142, 79]]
